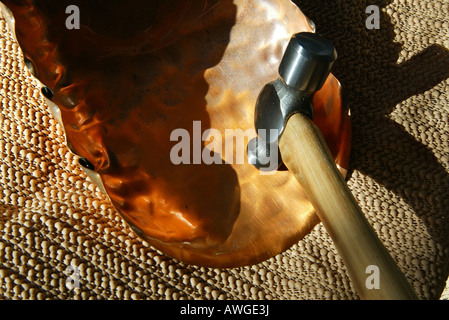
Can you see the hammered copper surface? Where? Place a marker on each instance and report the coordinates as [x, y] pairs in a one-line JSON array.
[[137, 70]]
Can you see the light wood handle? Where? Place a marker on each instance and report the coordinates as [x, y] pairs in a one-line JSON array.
[[305, 153]]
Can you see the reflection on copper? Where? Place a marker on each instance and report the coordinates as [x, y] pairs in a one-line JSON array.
[[123, 86]]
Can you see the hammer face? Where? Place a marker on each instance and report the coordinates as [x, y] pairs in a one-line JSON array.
[[307, 61]]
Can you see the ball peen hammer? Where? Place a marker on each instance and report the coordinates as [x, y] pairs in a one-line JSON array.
[[286, 105]]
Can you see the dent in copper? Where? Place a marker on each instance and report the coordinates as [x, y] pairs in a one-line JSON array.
[[136, 71]]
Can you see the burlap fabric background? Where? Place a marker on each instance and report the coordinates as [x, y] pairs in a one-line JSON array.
[[396, 81]]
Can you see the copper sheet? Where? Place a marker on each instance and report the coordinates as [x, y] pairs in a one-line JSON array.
[[137, 70]]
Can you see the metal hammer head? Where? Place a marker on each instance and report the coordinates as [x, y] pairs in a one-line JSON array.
[[304, 68], [307, 62]]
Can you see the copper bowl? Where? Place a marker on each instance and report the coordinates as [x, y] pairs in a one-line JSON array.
[[136, 71]]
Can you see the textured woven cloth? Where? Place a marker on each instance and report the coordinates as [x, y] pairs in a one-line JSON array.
[[60, 238]]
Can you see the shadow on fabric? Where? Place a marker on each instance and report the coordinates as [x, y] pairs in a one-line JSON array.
[[374, 84]]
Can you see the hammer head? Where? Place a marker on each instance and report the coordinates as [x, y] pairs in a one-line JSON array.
[[304, 68], [307, 62]]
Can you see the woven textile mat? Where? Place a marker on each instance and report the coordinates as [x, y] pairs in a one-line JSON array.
[[54, 220]]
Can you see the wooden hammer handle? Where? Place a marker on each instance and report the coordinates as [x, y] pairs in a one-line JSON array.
[[305, 153]]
